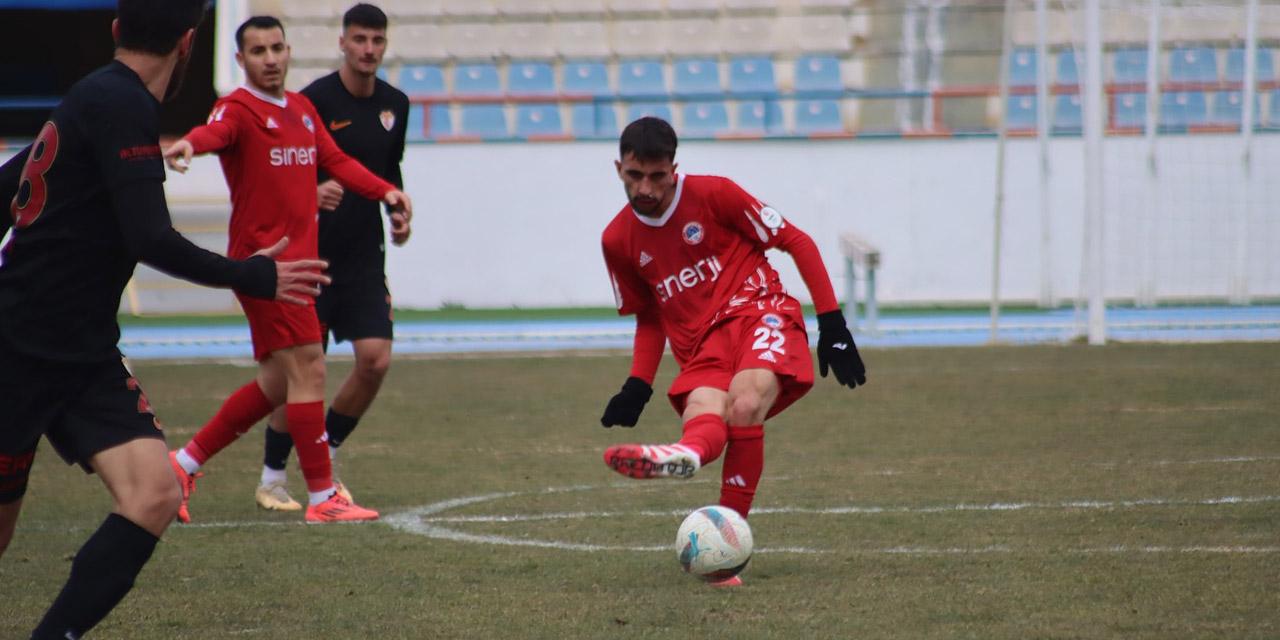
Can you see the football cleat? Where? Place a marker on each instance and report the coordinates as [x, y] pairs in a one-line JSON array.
[[339, 509], [273, 497], [342, 490], [731, 581], [645, 461], [187, 483]]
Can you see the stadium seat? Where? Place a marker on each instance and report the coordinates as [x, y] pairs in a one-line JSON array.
[[641, 78], [1068, 68], [587, 78], [470, 40], [694, 7], [1022, 67], [637, 110], [1067, 114], [531, 79], [1183, 108], [692, 37], [1130, 110], [1228, 108], [469, 9], [636, 7], [484, 120], [422, 80], [596, 120], [583, 8], [827, 6], [440, 126], [759, 117], [752, 77], [313, 43], [1265, 65], [1020, 112], [751, 6], [307, 10], [408, 10], [417, 42], [1129, 66], [818, 77], [704, 119], [414, 129], [748, 36], [527, 40], [479, 79], [818, 116], [1193, 64], [581, 39], [697, 77], [538, 120], [818, 34], [637, 38], [539, 10]]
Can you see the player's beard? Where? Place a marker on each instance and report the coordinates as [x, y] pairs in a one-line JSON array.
[[647, 209], [175, 79]]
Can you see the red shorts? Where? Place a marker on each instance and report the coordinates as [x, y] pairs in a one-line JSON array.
[[765, 340], [278, 325]]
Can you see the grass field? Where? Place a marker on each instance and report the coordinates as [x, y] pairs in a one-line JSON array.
[[1034, 492]]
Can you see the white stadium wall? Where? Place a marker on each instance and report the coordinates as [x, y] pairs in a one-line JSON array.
[[511, 224]]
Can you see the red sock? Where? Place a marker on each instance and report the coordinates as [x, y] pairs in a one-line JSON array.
[[306, 425], [237, 415], [705, 434], [743, 464]]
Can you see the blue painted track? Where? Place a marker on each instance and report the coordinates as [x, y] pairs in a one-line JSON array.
[[1176, 324]]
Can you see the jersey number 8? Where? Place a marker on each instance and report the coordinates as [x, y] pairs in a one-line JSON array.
[[33, 191]]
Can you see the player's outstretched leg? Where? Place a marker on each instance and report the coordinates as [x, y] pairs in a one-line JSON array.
[[646, 461]]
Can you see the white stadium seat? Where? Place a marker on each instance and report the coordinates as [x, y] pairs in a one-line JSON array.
[[417, 41], [596, 8], [316, 43], [692, 37], [638, 38], [584, 39], [470, 9], [678, 7], [526, 40], [748, 35], [752, 6], [471, 40], [636, 7], [308, 10], [398, 10], [819, 34], [524, 9]]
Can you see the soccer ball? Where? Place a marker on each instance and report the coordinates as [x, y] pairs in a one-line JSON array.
[[714, 543]]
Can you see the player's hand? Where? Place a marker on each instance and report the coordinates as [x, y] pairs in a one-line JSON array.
[[399, 229], [297, 281], [330, 194], [399, 203], [178, 155], [837, 350], [625, 407]]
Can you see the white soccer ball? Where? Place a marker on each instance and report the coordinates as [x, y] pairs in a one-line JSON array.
[[714, 543]]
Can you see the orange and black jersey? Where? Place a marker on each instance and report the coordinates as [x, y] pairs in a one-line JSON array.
[[86, 203], [371, 130]]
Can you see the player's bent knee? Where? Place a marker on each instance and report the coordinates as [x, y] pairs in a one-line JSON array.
[[154, 506], [373, 369], [744, 410]]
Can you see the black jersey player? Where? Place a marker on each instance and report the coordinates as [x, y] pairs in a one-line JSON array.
[[84, 204], [368, 119]]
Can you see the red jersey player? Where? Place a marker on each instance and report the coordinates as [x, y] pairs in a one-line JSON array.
[[686, 256], [270, 143]]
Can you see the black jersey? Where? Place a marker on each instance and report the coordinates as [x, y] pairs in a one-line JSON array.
[[371, 130], [88, 204]]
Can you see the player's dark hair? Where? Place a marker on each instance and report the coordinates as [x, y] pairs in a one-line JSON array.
[[648, 138], [256, 22], [156, 26], [364, 15]]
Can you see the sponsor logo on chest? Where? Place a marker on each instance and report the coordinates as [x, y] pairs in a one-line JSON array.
[[292, 156], [705, 270]]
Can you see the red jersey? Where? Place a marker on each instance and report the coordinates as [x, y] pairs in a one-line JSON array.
[[270, 150], [703, 260]]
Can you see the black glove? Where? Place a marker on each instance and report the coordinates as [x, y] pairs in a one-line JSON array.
[[624, 409], [836, 348]]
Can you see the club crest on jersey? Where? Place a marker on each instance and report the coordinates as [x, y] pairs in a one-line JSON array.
[[771, 320], [306, 122], [692, 233], [387, 118], [770, 217]]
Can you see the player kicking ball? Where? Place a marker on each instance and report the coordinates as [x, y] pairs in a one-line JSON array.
[[686, 257]]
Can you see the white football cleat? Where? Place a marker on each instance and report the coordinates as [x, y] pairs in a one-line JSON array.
[[646, 461]]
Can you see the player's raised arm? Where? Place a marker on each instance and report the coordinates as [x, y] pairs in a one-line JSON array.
[[219, 133]]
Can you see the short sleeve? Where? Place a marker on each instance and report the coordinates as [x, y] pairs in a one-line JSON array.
[[629, 291], [742, 211], [123, 129]]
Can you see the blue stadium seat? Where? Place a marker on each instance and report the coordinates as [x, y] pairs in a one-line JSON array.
[[422, 80], [637, 110], [1183, 108], [441, 125], [538, 120], [1273, 116], [1130, 110], [761, 117], [476, 80], [1265, 66], [413, 128], [1193, 64], [531, 79], [383, 75], [818, 116], [1020, 112], [1068, 68], [1228, 108], [595, 120], [641, 79], [1067, 114], [697, 78], [484, 120], [1022, 67], [752, 77], [705, 119], [587, 78], [1129, 65], [818, 76]]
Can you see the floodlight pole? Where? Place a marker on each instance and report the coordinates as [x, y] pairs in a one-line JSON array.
[[1094, 108]]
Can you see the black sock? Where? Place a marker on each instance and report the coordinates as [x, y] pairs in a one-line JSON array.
[[101, 574], [276, 453], [339, 427]]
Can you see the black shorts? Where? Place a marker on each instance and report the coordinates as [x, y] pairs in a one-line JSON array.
[[355, 309], [82, 408]]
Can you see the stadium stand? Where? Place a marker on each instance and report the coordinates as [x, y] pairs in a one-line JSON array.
[[821, 116], [642, 79], [1068, 117], [759, 117], [818, 77], [485, 121], [1021, 112], [531, 79], [538, 120], [1183, 109], [476, 79], [585, 78], [752, 77], [697, 78], [705, 119], [422, 81]]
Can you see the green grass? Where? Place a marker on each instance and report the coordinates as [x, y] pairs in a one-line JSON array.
[[1037, 426]]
